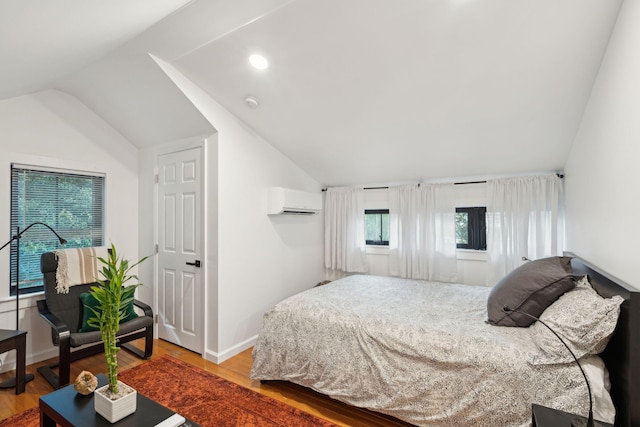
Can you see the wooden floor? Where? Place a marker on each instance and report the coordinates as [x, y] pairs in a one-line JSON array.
[[235, 369]]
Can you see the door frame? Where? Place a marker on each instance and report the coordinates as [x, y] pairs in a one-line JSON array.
[[183, 145]]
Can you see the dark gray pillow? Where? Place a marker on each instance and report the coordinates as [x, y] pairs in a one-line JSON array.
[[530, 288]]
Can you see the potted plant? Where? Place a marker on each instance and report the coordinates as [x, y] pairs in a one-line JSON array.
[[115, 400]]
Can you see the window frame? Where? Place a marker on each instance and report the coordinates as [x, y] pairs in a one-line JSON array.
[[476, 228], [22, 216], [376, 242]]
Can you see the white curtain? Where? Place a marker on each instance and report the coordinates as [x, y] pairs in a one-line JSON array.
[[344, 241], [422, 242], [525, 218]]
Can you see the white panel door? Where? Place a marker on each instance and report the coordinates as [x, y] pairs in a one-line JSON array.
[[180, 278]]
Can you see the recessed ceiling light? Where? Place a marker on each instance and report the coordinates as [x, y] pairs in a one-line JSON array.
[[258, 61]]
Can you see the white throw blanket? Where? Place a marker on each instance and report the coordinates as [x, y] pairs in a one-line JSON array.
[[78, 266]]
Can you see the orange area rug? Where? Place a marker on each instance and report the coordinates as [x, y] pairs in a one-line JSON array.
[[200, 396]]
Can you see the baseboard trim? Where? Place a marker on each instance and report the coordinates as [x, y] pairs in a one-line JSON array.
[[10, 363], [220, 357]]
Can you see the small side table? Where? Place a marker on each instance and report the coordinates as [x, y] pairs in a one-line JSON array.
[[547, 417], [15, 340]]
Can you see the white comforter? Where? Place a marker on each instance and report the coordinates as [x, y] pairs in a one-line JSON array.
[[419, 351]]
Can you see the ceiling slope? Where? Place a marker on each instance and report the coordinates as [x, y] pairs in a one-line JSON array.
[[42, 41], [358, 92], [128, 89], [372, 91], [136, 97]]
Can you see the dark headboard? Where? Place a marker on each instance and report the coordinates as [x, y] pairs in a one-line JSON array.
[[622, 355]]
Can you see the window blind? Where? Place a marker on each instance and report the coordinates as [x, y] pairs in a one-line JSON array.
[[70, 203]]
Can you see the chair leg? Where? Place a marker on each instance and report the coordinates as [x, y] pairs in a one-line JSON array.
[[48, 374], [64, 369], [64, 366], [148, 343]]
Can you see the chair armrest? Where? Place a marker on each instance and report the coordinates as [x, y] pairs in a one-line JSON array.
[[58, 325], [146, 308]]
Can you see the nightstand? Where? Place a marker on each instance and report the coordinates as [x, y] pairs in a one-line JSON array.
[[547, 417]]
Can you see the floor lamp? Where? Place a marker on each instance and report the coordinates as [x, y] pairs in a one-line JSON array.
[[11, 382]]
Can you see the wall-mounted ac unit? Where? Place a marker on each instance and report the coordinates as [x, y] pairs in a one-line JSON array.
[[283, 201]]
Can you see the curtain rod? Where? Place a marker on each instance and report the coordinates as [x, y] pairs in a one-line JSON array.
[[559, 175], [470, 182], [368, 188]]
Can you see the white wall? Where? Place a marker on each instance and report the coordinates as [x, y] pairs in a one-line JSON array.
[[54, 129], [472, 265], [602, 173], [261, 259]]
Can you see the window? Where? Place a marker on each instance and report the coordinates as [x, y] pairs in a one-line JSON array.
[[471, 230], [70, 203], [376, 223]]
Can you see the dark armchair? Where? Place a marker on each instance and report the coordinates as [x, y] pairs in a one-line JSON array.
[[64, 312]]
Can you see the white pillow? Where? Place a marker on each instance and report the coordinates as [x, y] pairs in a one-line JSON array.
[[582, 318]]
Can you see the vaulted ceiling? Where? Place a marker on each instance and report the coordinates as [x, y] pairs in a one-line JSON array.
[[357, 92]]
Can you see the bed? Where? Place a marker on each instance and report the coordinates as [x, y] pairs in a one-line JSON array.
[[406, 348]]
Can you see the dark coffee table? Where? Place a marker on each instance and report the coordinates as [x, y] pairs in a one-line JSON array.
[[70, 409]]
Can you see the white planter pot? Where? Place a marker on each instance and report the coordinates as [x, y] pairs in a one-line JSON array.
[[115, 410]]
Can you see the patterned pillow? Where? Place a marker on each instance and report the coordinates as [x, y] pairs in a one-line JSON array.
[[582, 318]]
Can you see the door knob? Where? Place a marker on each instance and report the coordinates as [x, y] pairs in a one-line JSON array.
[[197, 263]]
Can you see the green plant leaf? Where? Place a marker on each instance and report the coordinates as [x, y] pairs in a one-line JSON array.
[[113, 297]]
